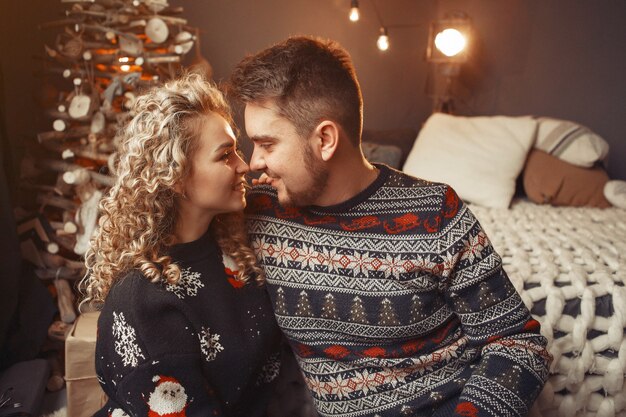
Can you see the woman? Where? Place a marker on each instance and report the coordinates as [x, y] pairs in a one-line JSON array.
[[184, 330]]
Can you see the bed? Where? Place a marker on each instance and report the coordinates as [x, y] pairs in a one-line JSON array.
[[566, 256], [568, 264]]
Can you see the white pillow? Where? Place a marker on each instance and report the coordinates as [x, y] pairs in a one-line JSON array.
[[570, 142], [480, 157]]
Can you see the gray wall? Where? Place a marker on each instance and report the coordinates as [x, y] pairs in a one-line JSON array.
[[558, 58]]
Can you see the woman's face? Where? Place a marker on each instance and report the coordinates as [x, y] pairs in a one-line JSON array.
[[216, 182]]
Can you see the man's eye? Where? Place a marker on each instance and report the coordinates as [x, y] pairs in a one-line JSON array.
[[226, 155]]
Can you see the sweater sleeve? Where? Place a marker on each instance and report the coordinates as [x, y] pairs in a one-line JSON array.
[[514, 362], [150, 357]]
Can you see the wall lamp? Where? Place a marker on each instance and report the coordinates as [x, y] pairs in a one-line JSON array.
[[449, 46]]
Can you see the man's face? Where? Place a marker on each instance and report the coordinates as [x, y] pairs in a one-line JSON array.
[[289, 160]]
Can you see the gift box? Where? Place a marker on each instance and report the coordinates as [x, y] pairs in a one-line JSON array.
[[84, 394]]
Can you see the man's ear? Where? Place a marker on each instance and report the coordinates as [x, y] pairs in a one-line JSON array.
[[327, 139]]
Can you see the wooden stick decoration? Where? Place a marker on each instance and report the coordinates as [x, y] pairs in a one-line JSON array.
[[88, 218], [61, 272], [55, 381], [65, 300], [61, 166], [58, 202]]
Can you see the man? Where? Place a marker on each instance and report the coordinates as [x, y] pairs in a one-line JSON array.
[[391, 296]]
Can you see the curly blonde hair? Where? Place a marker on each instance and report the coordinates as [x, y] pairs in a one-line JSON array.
[[139, 213]]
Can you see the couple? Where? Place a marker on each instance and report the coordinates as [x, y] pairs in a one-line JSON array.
[[385, 286]]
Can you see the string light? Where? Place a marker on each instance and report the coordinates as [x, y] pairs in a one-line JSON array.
[[354, 11], [383, 39]]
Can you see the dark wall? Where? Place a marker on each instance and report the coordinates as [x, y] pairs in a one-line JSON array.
[[563, 59], [22, 92], [558, 58]]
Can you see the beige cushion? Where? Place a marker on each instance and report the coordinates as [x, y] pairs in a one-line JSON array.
[[570, 142], [549, 180]]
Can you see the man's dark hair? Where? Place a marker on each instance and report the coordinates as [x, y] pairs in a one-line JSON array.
[[309, 79]]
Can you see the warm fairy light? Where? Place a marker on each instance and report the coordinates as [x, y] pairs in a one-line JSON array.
[[125, 67], [123, 59], [383, 40], [450, 42], [354, 11]]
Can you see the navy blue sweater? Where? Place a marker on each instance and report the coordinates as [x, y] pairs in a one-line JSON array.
[[206, 346]]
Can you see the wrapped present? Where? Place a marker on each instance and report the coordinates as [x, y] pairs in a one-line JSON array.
[[84, 395]]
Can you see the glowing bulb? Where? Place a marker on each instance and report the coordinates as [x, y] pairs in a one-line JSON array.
[[450, 42], [383, 40], [125, 67], [124, 59], [354, 11], [354, 14]]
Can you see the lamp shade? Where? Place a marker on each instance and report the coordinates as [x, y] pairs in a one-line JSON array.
[[449, 40]]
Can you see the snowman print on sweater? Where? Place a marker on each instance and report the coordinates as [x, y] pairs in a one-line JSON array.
[[168, 399]]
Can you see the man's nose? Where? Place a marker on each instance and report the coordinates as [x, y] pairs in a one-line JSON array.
[[257, 162]]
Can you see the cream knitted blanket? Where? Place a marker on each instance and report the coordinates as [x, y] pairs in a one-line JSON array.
[[569, 265]]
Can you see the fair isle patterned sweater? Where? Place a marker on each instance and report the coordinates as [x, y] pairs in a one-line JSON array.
[[208, 346], [396, 304]]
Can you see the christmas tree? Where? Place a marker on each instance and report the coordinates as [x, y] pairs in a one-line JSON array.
[[303, 308], [357, 311], [387, 315], [104, 54], [280, 306], [329, 309], [486, 297], [510, 378], [418, 312]]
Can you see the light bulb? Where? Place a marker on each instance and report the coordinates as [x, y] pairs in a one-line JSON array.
[[354, 11], [383, 40], [450, 42]]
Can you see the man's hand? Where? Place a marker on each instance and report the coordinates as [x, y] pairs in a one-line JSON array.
[[263, 179]]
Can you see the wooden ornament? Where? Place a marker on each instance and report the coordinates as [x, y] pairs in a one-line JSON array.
[[58, 125], [79, 106], [157, 30], [76, 177], [184, 42], [156, 5], [131, 45], [98, 122]]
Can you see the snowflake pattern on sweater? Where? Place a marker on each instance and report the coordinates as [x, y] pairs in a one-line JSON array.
[[396, 303], [209, 344], [188, 285], [126, 341]]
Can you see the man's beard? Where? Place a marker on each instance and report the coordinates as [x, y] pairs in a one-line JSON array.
[[319, 180]]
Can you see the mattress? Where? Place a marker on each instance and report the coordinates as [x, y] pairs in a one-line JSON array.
[[569, 265]]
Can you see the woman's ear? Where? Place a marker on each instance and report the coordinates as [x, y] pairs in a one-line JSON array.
[[327, 135], [179, 189]]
